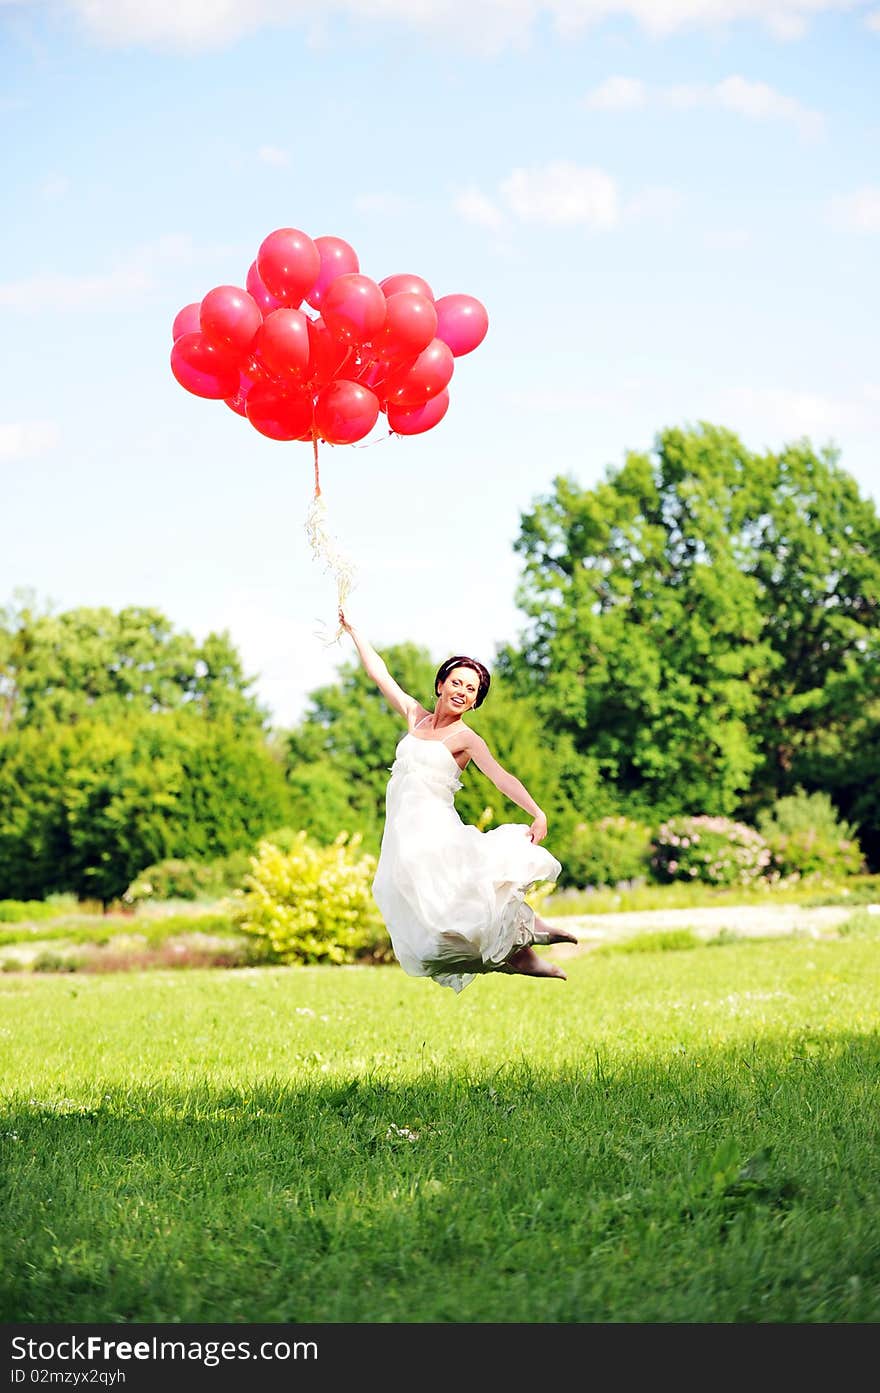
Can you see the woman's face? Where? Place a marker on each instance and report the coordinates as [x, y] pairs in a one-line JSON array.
[[459, 691]]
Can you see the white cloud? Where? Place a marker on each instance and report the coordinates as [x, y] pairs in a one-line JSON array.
[[873, 21], [562, 194], [475, 207], [859, 210], [23, 439], [761, 102], [481, 24], [756, 100], [114, 288], [617, 94], [271, 154]]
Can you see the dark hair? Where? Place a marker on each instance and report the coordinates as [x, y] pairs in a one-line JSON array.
[[482, 673]]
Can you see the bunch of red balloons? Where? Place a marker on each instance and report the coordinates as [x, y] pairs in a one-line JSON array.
[[311, 349]]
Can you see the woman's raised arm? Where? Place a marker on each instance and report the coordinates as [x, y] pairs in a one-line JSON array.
[[375, 667], [506, 783]]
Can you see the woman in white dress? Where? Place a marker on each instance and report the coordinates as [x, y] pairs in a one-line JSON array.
[[453, 897]]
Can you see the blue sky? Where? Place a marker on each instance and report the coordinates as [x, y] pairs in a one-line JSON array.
[[669, 208]]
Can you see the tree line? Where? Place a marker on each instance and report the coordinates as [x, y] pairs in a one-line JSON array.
[[701, 637]]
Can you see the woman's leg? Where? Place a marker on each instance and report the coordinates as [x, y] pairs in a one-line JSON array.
[[527, 963], [546, 933]]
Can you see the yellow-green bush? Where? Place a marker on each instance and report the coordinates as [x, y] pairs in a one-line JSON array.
[[313, 904], [608, 851]]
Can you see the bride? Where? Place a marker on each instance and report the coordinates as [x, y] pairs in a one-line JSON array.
[[453, 897]]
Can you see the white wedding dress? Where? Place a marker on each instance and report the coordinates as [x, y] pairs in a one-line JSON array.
[[452, 897]]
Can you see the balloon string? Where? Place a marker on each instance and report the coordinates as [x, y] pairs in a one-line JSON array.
[[325, 549]]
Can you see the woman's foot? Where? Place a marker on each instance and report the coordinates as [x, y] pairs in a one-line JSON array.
[[527, 964], [546, 933]]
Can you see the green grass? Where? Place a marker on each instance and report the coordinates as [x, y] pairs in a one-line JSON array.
[[676, 1136]]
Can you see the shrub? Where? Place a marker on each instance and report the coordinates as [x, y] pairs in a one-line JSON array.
[[713, 850], [808, 840], [178, 879], [608, 852], [84, 806], [312, 903], [20, 911]]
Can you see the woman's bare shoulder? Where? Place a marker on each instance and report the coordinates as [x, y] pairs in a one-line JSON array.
[[416, 713], [467, 741]]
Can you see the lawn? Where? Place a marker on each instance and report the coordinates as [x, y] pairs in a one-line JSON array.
[[688, 1135]]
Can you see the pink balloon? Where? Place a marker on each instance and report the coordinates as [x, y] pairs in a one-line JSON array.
[[230, 317], [278, 413], [413, 420], [264, 298], [354, 309], [288, 264], [394, 285], [345, 412], [422, 379], [283, 342], [204, 369], [337, 259], [462, 323], [186, 321], [410, 325]]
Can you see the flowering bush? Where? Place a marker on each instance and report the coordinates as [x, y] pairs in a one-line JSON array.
[[311, 903], [714, 850], [607, 852], [808, 840]]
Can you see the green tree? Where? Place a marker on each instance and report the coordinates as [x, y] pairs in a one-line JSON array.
[[86, 805], [349, 727], [99, 661], [346, 743], [702, 619]]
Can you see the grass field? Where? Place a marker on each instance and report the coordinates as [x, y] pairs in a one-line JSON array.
[[686, 1135]]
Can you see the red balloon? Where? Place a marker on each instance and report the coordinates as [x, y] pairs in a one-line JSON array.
[[394, 285], [326, 354], [462, 323], [410, 325], [354, 309], [371, 371], [279, 413], [283, 342], [186, 321], [413, 420], [264, 298], [288, 264], [204, 369], [422, 379], [337, 259], [345, 412], [253, 371], [230, 317]]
